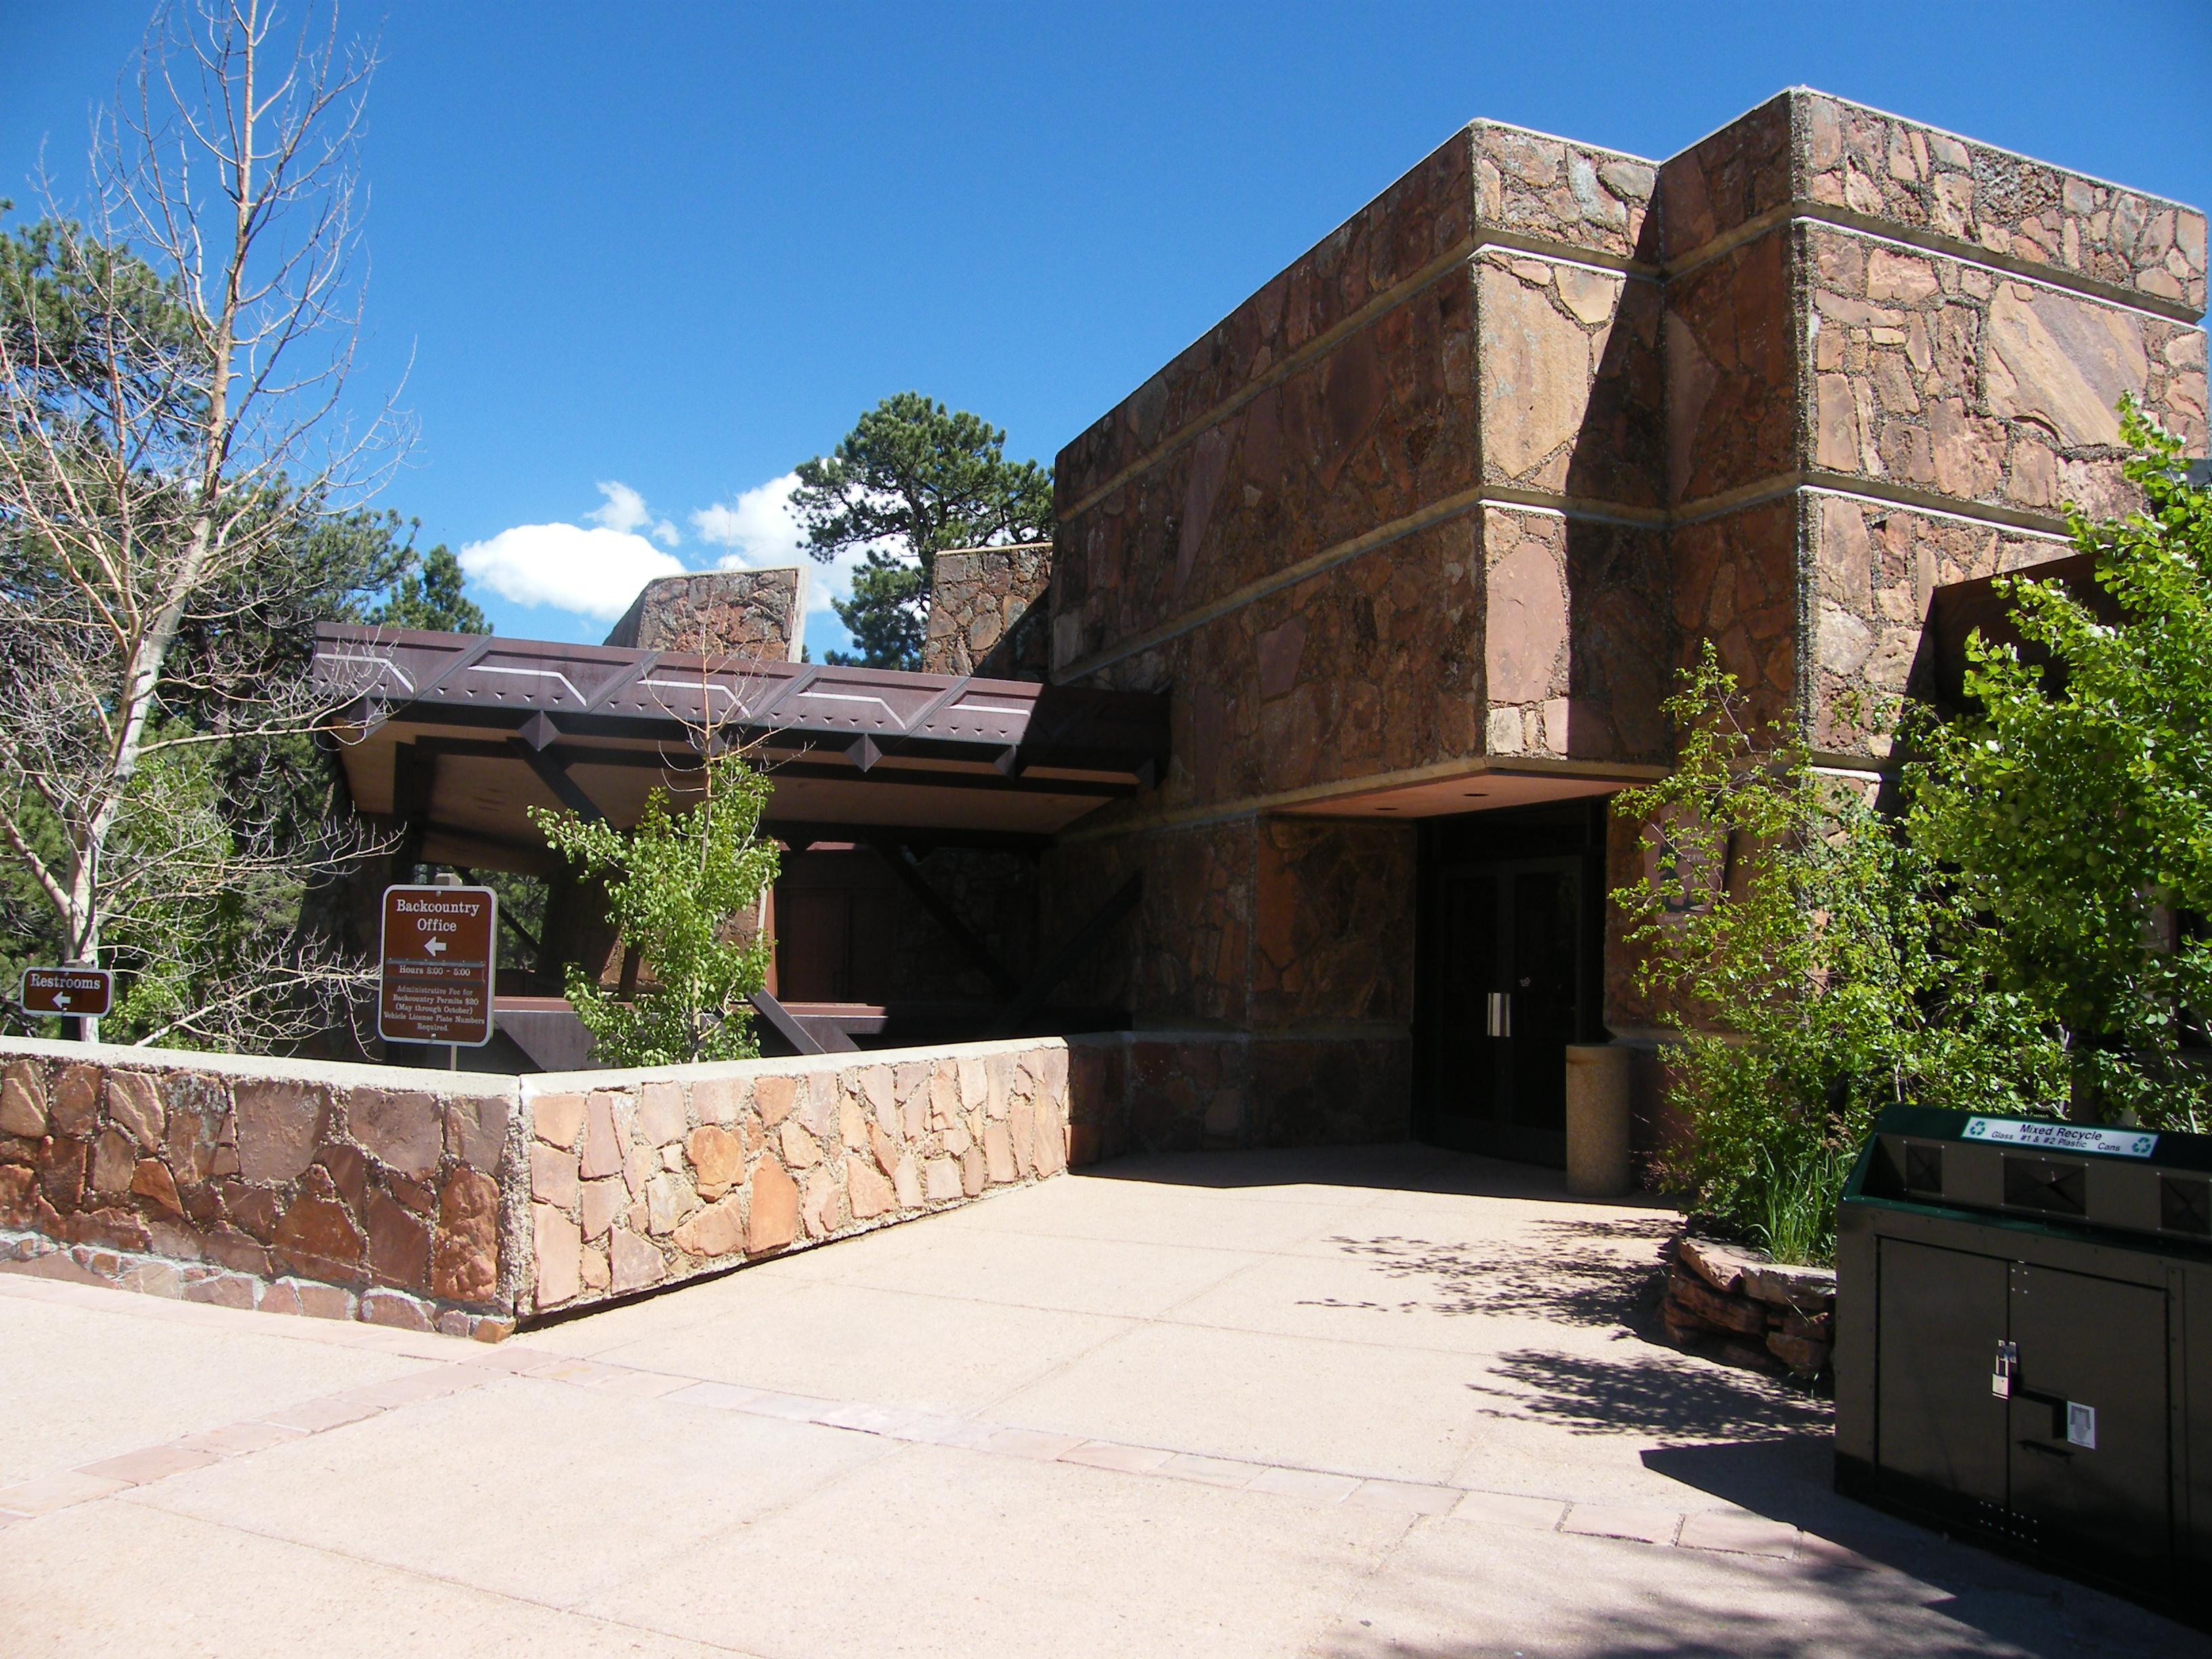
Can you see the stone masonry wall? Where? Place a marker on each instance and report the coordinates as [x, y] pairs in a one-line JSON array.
[[464, 1203], [987, 612], [649, 1178], [1288, 526], [759, 615], [1187, 1090], [1892, 358], [461, 1202], [1466, 483], [294, 1187]]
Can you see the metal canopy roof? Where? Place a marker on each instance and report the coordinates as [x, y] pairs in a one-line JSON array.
[[525, 722]]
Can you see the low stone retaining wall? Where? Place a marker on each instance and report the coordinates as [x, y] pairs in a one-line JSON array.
[[639, 1179], [1734, 1305], [464, 1202], [292, 1186]]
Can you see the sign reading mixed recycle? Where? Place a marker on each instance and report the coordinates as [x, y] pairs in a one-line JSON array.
[[434, 977], [77, 992], [2062, 1137]]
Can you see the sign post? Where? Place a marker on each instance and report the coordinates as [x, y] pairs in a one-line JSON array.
[[77, 994], [436, 966]]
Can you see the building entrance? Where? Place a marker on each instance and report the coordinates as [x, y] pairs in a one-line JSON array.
[[1507, 976]]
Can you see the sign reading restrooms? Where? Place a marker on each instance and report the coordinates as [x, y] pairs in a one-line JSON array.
[[435, 978], [79, 992]]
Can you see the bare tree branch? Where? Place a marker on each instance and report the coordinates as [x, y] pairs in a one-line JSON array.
[[168, 426]]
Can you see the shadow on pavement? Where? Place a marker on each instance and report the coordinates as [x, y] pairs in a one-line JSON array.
[[1650, 1393], [1791, 1479], [1556, 1270]]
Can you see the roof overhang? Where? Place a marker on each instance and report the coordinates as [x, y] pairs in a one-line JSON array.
[[1479, 786], [462, 734]]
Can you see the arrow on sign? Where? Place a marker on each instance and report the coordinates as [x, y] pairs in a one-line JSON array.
[[435, 947], [61, 999]]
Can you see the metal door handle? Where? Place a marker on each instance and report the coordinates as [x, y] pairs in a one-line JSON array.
[[1501, 1013]]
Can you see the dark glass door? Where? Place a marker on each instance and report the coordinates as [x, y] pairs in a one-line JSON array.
[[1509, 956]]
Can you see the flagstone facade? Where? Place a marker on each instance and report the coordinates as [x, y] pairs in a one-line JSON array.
[[1450, 499]]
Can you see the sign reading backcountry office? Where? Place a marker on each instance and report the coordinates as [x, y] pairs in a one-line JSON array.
[[435, 965]]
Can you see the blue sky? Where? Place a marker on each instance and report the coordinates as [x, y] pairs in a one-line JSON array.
[[679, 247]]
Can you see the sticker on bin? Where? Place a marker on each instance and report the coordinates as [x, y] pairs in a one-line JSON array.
[[2062, 1137], [2082, 1426]]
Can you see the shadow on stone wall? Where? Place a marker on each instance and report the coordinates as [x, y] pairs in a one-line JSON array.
[[1622, 637]]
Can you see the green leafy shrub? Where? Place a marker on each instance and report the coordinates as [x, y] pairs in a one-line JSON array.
[[677, 888], [1815, 965], [2071, 803], [2026, 935]]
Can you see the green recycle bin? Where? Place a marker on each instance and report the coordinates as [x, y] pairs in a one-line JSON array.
[[2024, 1343]]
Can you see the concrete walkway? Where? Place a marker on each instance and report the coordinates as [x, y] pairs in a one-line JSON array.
[[1355, 1403]]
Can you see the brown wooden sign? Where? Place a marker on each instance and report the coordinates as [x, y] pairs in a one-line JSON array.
[[77, 992], [437, 960]]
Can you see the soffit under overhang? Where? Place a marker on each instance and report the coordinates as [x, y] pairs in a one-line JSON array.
[[465, 733]]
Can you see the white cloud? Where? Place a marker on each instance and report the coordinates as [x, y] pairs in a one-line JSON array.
[[625, 509], [595, 572], [758, 528], [761, 532]]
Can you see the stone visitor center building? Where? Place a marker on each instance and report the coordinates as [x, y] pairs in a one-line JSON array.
[[1289, 757], [1267, 804]]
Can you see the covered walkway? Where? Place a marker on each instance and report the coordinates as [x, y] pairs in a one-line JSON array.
[[1347, 1402]]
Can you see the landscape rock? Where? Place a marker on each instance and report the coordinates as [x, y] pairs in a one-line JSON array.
[[821, 1206], [603, 1200], [151, 1178], [1696, 1296], [475, 1129], [603, 1147], [1721, 1266], [598, 1275], [906, 1183], [553, 1177], [398, 1245], [867, 1190], [668, 1198], [1800, 1354], [114, 1162], [1807, 1289], [772, 1098], [392, 1308]]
